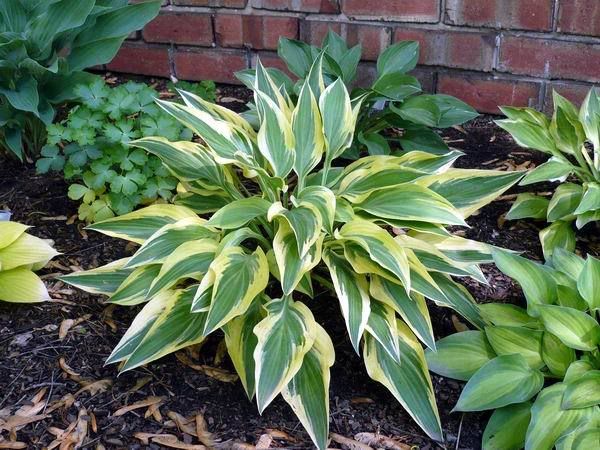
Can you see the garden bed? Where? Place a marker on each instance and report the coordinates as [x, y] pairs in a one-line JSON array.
[[31, 344]]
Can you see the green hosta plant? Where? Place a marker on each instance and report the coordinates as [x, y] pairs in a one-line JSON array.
[[44, 48], [91, 148], [283, 222], [205, 89], [539, 367], [572, 140], [395, 100], [20, 255]]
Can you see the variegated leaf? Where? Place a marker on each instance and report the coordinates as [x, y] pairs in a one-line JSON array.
[[304, 220], [103, 280], [239, 212], [308, 133], [134, 289]]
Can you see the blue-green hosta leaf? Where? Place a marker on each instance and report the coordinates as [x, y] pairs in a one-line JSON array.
[[506, 340], [420, 109], [528, 205], [412, 309], [134, 289], [549, 421], [556, 355], [291, 266], [241, 342], [239, 212], [505, 380], [308, 391], [507, 428], [307, 128], [398, 58], [234, 279], [576, 329], [103, 280], [173, 328], [411, 202], [538, 285], [582, 392], [505, 314], [288, 331], [190, 260], [352, 291], [164, 241], [452, 110], [140, 225], [588, 282], [460, 355], [587, 438], [408, 380], [396, 87]]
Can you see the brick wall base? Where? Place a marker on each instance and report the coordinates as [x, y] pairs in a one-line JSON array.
[[486, 52]]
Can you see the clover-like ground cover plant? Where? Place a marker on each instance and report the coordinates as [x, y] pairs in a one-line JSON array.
[[537, 368], [283, 221]]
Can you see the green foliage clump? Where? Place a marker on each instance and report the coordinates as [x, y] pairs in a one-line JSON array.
[[206, 89], [20, 255], [91, 147], [571, 138], [44, 48], [538, 368], [394, 101], [288, 220]]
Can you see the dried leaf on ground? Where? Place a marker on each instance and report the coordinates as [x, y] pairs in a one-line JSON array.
[[154, 411], [17, 422], [184, 424], [168, 440], [67, 324], [10, 444], [94, 387], [379, 441], [73, 436], [65, 402], [281, 435], [202, 432], [264, 442], [68, 369], [213, 372], [350, 443], [137, 405]]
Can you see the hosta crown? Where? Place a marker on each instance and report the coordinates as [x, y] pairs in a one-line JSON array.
[[281, 219]]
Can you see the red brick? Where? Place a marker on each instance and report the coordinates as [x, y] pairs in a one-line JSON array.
[[311, 6], [511, 14], [373, 38], [271, 59], [210, 64], [396, 10], [142, 60], [367, 74], [579, 17], [572, 91], [187, 28], [260, 32], [212, 3], [485, 94], [463, 50], [550, 58]]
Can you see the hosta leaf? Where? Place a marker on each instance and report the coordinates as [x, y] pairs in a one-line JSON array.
[[556, 355], [411, 202], [560, 234], [338, 120], [551, 170], [323, 199], [564, 202], [140, 225], [576, 370], [538, 285], [510, 340], [528, 134], [162, 243], [582, 392], [549, 421], [307, 128], [239, 212], [460, 355], [413, 309], [588, 115], [134, 289], [235, 278], [382, 248], [21, 285], [26, 250], [574, 328], [288, 331], [588, 282], [398, 58], [241, 342], [304, 220], [528, 205], [382, 326], [359, 182], [308, 391], [10, 232], [588, 438], [352, 291], [174, 328], [505, 314], [101, 280], [189, 260], [505, 380], [507, 427], [408, 381], [397, 87]]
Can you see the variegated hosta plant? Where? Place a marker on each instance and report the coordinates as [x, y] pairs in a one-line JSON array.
[[538, 368], [572, 140], [282, 219], [20, 255]]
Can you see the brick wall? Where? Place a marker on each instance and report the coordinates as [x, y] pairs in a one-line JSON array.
[[487, 52]]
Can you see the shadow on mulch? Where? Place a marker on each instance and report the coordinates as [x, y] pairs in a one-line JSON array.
[[30, 348]]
